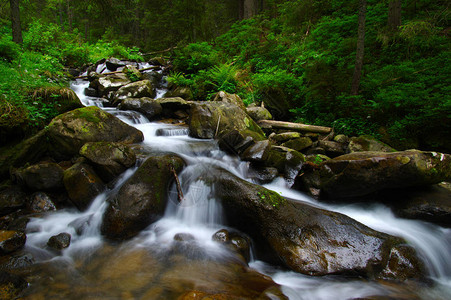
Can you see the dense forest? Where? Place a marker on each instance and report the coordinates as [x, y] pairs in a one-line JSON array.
[[361, 67]]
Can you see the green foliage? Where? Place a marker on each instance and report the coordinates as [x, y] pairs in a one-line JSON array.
[[195, 57]]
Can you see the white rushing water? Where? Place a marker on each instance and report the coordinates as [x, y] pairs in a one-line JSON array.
[[201, 216]]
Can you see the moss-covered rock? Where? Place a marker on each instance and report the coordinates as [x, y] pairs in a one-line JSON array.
[[68, 132], [108, 158], [214, 119], [258, 113], [147, 106], [362, 173], [179, 91], [286, 160], [368, 143], [310, 240], [298, 144], [229, 98], [142, 199], [82, 185], [284, 136]]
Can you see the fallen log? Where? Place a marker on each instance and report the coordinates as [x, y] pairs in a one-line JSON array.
[[115, 72], [269, 124]]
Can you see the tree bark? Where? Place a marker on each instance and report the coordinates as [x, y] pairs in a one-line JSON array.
[[294, 126], [15, 20], [360, 50], [394, 15]]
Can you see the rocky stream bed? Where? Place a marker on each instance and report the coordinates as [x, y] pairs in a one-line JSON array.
[[143, 193]]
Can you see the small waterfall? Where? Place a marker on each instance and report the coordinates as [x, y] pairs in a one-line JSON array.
[[200, 216]]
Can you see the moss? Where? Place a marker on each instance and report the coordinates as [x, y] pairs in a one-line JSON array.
[[271, 198], [90, 114]]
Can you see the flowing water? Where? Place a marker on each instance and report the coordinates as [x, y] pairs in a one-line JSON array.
[[153, 266]]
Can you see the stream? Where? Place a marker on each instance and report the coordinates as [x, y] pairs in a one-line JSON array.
[[150, 267]]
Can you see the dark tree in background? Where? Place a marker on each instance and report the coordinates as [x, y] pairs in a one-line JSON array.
[[15, 21], [360, 50], [394, 15]]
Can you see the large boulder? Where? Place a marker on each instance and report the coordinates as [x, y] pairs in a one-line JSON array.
[[138, 89], [147, 106], [310, 240], [363, 173], [68, 132], [106, 85], [43, 176], [108, 158], [82, 185], [214, 119], [142, 199]]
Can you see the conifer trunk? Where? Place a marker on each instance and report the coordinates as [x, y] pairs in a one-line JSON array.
[[394, 15], [15, 21], [360, 51]]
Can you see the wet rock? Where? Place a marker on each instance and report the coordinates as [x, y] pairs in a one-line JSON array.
[[45, 176], [11, 285], [368, 143], [82, 185], [310, 240], [221, 236], [257, 152], [11, 241], [108, 158], [283, 137], [11, 199], [60, 241], [432, 204], [241, 244], [40, 202], [263, 174], [16, 262], [106, 85], [214, 119], [316, 158], [67, 133], [81, 224], [363, 173], [142, 199], [286, 161], [90, 92], [298, 144], [147, 106], [113, 64], [230, 98], [333, 149], [258, 113], [138, 89], [184, 237], [400, 265], [174, 107], [235, 142]]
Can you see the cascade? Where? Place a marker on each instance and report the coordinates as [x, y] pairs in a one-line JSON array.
[[200, 215]]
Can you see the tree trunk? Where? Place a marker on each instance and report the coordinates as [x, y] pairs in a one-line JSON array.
[[360, 50], [269, 124], [70, 15], [394, 15], [248, 8], [15, 20]]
